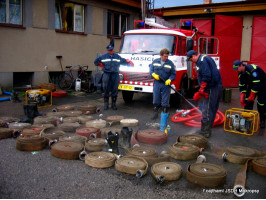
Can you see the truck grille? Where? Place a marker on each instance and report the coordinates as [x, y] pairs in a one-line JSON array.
[[137, 77]]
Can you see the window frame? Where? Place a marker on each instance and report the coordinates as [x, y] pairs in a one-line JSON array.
[[7, 16], [61, 19], [112, 26], [208, 44]]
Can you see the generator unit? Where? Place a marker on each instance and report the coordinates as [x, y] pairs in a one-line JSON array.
[[42, 97], [241, 121]]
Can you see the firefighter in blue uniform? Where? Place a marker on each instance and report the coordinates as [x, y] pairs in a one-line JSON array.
[[110, 63], [252, 83], [163, 71], [210, 88]]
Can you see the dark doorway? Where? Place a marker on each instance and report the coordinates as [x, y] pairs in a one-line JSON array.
[[21, 79]]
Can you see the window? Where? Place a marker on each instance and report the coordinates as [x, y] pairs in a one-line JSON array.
[[116, 23], [208, 45], [150, 44], [11, 12], [69, 17], [181, 49]]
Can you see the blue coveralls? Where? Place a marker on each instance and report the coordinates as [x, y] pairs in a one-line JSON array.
[[110, 77], [254, 79], [208, 73], [161, 92]]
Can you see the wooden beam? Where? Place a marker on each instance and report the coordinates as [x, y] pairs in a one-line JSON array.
[[215, 9], [129, 3]]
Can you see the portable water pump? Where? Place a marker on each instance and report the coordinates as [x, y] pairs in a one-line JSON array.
[[241, 121], [42, 97]]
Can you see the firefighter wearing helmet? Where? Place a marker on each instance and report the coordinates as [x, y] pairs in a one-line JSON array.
[[252, 83]]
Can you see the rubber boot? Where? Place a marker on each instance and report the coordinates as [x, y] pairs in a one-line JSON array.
[[36, 112], [126, 133], [114, 103], [15, 97], [262, 123], [155, 112], [106, 103], [206, 129], [29, 114], [112, 140], [25, 119], [164, 117]]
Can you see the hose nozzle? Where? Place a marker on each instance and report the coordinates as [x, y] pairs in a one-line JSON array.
[[139, 173], [82, 155]]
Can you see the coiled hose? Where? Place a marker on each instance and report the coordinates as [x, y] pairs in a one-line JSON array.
[[193, 118]]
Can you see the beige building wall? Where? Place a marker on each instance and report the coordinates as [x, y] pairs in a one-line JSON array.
[[40, 12], [34, 49]]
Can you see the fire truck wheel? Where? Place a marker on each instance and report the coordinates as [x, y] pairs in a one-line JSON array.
[[127, 96]]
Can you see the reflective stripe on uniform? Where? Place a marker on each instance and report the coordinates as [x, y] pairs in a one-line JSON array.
[[116, 60], [261, 104], [254, 91], [157, 64], [202, 57], [254, 66], [256, 81], [167, 66], [106, 60]]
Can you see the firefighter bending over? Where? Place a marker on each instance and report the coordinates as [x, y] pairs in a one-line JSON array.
[[163, 71], [210, 88], [252, 83]]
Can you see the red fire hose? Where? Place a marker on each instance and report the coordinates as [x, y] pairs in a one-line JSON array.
[[193, 117]]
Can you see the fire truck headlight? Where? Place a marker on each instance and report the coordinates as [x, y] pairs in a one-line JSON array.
[[121, 77]]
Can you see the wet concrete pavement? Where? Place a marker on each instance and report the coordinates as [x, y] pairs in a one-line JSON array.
[[28, 175]]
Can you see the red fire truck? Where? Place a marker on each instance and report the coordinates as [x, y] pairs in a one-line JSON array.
[[143, 45]]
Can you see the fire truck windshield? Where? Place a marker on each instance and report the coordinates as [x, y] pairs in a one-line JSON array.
[[149, 44]]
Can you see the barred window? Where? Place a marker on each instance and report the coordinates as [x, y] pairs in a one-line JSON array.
[[11, 12]]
